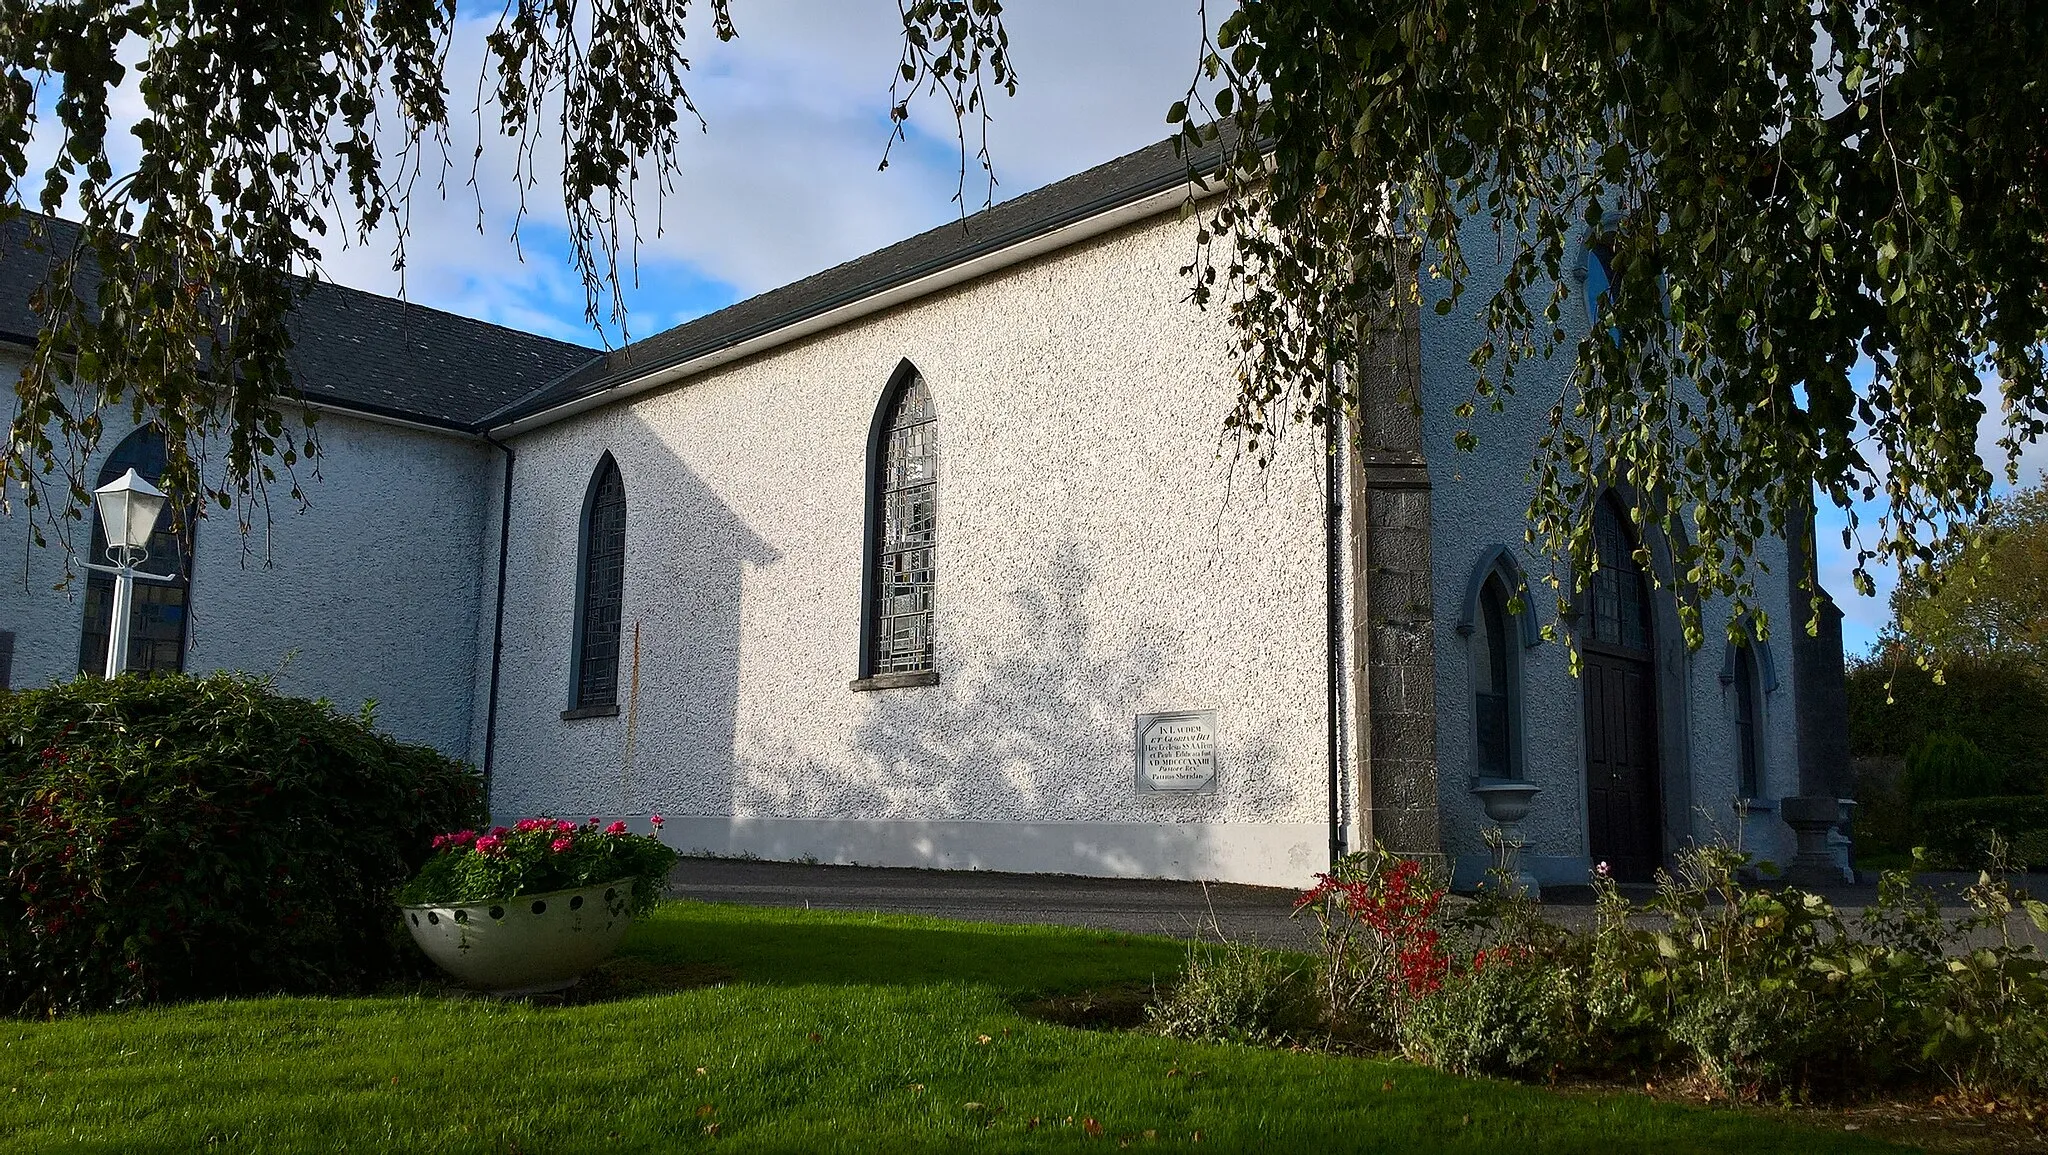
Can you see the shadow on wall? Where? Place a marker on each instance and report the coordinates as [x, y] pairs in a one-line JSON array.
[[679, 645], [1031, 731]]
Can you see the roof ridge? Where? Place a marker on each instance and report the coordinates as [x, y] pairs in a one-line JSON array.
[[1103, 188]]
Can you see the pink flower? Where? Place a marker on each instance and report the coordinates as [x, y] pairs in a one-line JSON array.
[[561, 844], [564, 826], [499, 832], [463, 837], [593, 820], [656, 820], [526, 824], [1601, 870], [615, 828], [489, 843]]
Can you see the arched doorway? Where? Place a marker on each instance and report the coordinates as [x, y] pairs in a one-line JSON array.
[[1624, 811]]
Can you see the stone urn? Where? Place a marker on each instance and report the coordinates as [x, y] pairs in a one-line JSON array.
[[1507, 802], [528, 944], [1813, 819]]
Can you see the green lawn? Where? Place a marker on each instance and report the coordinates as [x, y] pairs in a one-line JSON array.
[[823, 1032]]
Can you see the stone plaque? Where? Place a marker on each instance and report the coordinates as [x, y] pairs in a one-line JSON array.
[[1177, 752]]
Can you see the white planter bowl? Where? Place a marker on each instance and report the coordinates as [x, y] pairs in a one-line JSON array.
[[530, 944]]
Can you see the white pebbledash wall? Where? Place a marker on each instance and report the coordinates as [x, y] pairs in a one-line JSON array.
[[1479, 502], [370, 594], [1099, 557]]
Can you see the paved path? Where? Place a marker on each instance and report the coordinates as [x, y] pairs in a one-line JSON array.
[[1145, 906]]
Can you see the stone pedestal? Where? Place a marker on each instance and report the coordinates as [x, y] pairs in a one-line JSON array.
[[1507, 802], [1813, 819]]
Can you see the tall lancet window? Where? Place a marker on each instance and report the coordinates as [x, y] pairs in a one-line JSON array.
[[156, 628], [603, 580], [1749, 761], [903, 523], [1493, 688]]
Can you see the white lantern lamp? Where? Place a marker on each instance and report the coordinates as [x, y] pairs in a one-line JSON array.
[[129, 508]]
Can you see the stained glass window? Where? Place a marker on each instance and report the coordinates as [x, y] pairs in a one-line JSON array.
[[906, 528], [1621, 595], [156, 625], [604, 579]]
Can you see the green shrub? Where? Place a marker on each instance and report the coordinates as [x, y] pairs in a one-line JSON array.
[[1513, 1013], [168, 837], [1947, 765], [1958, 832], [2002, 707], [1236, 993]]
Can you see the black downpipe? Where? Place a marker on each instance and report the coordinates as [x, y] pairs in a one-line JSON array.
[[1333, 613], [498, 626]]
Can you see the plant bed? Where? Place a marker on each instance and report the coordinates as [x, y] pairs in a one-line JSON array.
[[1731, 990], [527, 909]]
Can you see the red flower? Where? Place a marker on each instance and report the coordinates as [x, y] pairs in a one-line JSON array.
[[564, 826], [615, 828], [1392, 908], [655, 819], [561, 844]]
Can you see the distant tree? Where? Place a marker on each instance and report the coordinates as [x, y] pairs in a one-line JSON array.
[[1982, 596]]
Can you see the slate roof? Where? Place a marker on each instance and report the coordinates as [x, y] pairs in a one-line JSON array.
[[1109, 186], [373, 354], [351, 349]]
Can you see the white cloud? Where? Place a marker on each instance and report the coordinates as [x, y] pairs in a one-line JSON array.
[[784, 182]]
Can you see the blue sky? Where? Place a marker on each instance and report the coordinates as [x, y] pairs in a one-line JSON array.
[[784, 183]]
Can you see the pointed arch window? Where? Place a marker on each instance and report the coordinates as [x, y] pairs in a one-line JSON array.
[[1747, 731], [1497, 626], [1493, 690], [902, 536], [158, 628], [1748, 673], [601, 601]]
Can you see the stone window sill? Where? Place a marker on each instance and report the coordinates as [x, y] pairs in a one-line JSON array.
[[1760, 805], [895, 681], [611, 711]]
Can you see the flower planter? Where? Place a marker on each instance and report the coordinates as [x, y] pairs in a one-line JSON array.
[[529, 944]]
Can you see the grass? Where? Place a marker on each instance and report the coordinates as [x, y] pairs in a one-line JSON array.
[[800, 1031]]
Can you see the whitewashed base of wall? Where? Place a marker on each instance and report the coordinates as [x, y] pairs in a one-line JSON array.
[[1279, 854], [531, 944]]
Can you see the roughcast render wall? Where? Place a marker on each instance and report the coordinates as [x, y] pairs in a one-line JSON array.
[[1099, 557], [370, 593]]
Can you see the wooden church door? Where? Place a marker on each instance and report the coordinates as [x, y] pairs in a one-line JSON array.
[[1624, 812]]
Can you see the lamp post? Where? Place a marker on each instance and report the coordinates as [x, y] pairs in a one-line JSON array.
[[129, 508]]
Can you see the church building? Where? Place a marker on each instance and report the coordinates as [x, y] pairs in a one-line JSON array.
[[941, 558]]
